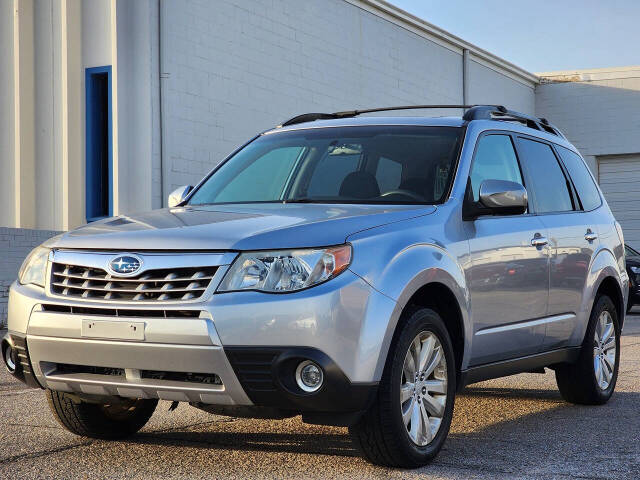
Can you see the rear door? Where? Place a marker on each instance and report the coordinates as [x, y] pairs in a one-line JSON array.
[[573, 236]]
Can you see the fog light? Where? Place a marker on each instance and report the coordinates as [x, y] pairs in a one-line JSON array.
[[309, 376]]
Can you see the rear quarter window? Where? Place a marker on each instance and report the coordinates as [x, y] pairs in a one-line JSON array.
[[582, 179]]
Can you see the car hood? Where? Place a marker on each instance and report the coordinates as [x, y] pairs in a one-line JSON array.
[[235, 227], [635, 261]]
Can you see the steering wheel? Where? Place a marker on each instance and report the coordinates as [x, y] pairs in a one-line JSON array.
[[407, 193]]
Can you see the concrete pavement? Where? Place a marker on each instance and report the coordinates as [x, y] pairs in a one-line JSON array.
[[516, 427]]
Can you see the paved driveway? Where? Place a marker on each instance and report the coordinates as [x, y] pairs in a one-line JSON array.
[[516, 427]]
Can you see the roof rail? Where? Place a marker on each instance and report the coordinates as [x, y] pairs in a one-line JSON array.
[[310, 117], [473, 112]]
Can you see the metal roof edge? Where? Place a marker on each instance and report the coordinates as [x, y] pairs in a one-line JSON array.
[[590, 74], [421, 27]]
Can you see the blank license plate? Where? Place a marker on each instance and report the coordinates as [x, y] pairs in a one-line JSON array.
[[113, 330]]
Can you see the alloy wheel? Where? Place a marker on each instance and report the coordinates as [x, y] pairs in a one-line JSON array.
[[604, 350], [423, 388]]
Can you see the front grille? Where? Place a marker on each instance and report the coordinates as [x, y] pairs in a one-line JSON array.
[[93, 283]]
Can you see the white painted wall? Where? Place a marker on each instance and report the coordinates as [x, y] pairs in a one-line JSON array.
[[235, 68], [486, 86], [229, 69], [598, 110]]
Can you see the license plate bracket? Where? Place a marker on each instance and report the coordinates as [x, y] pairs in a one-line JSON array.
[[113, 330]]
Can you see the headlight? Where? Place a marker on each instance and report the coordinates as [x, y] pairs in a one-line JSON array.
[[635, 269], [283, 271], [34, 268]]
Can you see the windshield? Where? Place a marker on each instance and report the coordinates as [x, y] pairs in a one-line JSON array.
[[379, 164], [630, 252]]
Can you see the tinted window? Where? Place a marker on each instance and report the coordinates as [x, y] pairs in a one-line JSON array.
[[582, 180], [388, 174], [495, 159], [548, 184], [369, 164], [331, 172], [264, 177]]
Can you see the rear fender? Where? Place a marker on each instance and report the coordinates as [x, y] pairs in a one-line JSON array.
[[604, 265]]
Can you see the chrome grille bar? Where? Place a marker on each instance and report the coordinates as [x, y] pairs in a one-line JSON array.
[[164, 277]]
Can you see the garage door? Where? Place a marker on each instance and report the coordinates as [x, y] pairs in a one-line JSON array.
[[619, 179]]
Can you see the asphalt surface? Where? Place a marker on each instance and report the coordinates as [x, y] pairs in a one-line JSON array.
[[516, 427]]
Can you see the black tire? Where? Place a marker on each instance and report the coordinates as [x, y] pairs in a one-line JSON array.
[[381, 435], [629, 302], [577, 382], [103, 421]]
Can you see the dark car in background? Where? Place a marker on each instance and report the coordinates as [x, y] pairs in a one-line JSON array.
[[633, 269]]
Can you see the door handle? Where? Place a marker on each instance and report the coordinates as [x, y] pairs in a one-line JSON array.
[[539, 241], [590, 236]]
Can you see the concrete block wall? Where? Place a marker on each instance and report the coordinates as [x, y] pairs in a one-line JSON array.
[[232, 68], [15, 245], [598, 110]]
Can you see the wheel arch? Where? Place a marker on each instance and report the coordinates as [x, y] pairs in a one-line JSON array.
[[604, 278], [609, 286], [437, 296]]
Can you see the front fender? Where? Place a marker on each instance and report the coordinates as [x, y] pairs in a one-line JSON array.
[[604, 265], [402, 275]]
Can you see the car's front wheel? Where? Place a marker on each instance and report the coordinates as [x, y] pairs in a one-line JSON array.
[[411, 415], [106, 421]]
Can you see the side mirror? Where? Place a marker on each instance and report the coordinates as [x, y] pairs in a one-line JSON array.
[[497, 197], [178, 195], [503, 197]]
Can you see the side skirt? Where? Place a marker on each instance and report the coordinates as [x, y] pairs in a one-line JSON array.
[[517, 365]]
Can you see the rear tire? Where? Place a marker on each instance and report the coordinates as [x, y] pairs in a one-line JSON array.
[[592, 379], [103, 421], [410, 418]]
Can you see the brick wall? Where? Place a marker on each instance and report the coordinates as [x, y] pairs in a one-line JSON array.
[[15, 245]]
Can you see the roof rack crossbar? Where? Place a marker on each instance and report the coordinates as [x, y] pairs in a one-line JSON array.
[[488, 112], [472, 112]]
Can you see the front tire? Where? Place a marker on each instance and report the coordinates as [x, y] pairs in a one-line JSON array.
[[105, 421], [410, 418], [592, 379]]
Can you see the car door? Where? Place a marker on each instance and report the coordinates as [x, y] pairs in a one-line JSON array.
[[572, 232], [508, 277]]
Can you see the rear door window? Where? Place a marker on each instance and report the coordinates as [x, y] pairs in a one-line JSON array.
[[582, 179], [547, 184]]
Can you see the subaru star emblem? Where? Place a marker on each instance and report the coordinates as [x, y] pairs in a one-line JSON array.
[[125, 265]]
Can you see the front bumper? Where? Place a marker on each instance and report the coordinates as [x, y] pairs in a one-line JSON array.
[[341, 324]]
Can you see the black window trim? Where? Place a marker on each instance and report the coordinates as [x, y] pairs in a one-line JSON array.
[[575, 202]]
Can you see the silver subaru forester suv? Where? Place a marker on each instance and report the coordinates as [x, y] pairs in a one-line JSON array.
[[355, 270]]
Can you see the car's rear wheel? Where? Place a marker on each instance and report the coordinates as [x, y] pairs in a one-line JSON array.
[[106, 421], [592, 379], [411, 415]]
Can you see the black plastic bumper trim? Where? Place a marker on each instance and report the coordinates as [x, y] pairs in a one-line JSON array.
[[24, 369], [267, 376], [518, 365]]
